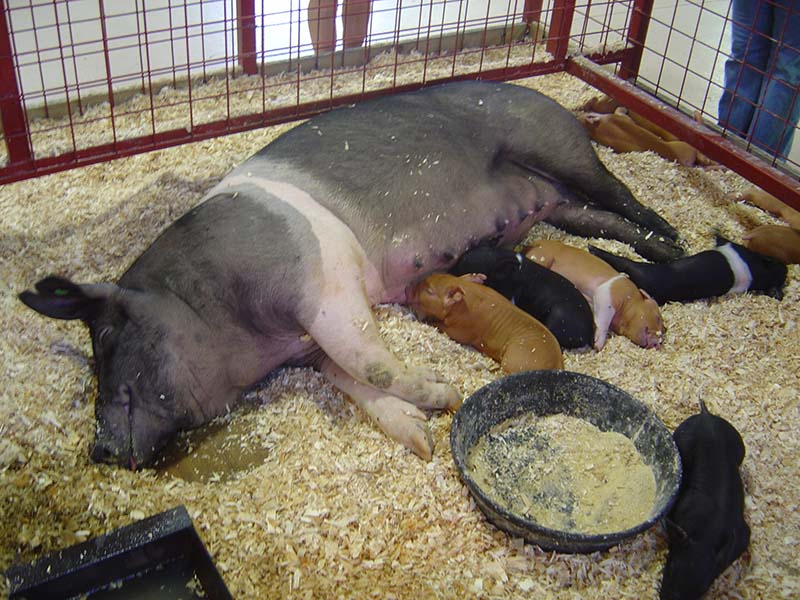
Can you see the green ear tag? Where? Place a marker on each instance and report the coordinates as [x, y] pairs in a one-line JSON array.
[[61, 292]]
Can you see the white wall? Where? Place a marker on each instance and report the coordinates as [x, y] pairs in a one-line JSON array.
[[143, 37], [169, 41], [158, 41]]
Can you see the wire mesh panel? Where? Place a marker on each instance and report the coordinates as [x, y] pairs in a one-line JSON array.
[[734, 66], [88, 80]]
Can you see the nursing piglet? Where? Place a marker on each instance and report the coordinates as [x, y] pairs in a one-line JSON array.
[[540, 292], [616, 302], [728, 268], [706, 526], [474, 314]]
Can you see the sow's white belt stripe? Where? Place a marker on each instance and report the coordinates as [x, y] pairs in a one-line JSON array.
[[321, 219], [742, 278], [324, 224]]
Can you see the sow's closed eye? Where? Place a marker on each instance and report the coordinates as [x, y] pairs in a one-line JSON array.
[[105, 336]]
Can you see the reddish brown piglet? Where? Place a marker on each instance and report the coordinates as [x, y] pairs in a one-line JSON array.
[[476, 315]]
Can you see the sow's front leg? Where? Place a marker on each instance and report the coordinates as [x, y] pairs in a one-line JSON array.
[[335, 310], [345, 328], [342, 322], [360, 365]]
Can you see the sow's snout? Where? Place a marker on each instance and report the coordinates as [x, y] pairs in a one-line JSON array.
[[126, 432]]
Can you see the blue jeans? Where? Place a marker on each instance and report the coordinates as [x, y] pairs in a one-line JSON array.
[[760, 99]]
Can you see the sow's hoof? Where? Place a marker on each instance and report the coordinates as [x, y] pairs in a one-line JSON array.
[[403, 422], [451, 399]]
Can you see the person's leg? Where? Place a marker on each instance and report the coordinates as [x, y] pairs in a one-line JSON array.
[[355, 17], [322, 25], [750, 50], [776, 118]]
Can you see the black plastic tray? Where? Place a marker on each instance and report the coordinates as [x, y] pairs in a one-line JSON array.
[[152, 558]]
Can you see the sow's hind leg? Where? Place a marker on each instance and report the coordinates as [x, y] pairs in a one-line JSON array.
[[547, 140], [588, 221]]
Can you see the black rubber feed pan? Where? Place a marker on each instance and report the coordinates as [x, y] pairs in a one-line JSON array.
[[603, 405]]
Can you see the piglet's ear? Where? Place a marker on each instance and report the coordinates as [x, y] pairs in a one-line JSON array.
[[454, 295], [675, 532], [59, 298], [646, 296], [506, 267]]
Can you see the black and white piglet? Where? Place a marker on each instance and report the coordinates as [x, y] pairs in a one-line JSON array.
[[727, 268], [540, 292], [706, 526]]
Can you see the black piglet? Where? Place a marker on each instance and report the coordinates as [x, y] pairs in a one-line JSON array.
[[540, 292], [728, 268], [706, 527]]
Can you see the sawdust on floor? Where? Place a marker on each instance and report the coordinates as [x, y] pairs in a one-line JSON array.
[[336, 510]]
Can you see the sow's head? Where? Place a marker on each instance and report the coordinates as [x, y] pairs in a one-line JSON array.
[[137, 407]]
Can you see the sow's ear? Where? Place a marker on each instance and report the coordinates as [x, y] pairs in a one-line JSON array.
[[59, 298]]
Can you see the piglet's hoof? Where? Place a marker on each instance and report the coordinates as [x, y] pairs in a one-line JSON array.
[[404, 423]]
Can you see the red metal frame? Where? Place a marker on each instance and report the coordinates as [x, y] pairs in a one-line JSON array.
[[560, 27], [15, 124], [532, 11], [24, 163], [709, 142], [637, 34], [246, 35]]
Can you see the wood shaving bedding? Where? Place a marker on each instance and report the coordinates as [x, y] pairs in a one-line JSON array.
[[336, 509]]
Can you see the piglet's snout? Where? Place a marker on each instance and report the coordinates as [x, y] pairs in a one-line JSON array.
[[653, 340]]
